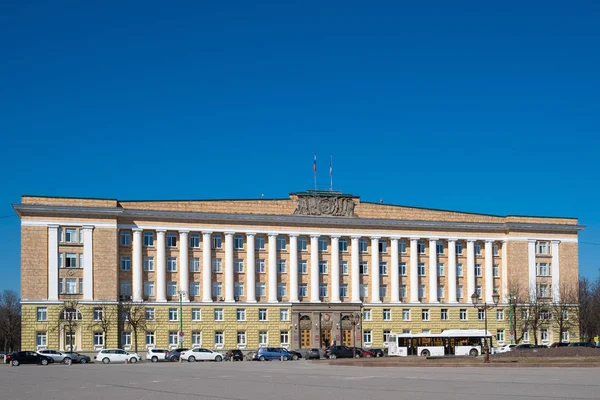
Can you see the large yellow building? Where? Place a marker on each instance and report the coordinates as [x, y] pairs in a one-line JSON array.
[[290, 272]]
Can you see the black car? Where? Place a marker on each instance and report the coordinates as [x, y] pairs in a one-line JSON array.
[[334, 352], [295, 354], [234, 355], [581, 344], [28, 357], [558, 344], [314, 354], [78, 358], [377, 352], [174, 354]]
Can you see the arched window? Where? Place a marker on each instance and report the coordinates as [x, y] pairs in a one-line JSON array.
[[70, 314], [346, 318], [305, 318]]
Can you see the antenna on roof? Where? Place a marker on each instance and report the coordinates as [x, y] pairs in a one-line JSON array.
[[381, 200], [262, 195]]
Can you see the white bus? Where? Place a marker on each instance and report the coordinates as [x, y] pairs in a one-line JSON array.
[[459, 342]]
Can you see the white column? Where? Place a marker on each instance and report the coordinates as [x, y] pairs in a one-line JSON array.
[[532, 272], [52, 262], [451, 282], [355, 278], [414, 271], [555, 270], [293, 268], [206, 267], [375, 270], [161, 266], [505, 293], [272, 268], [314, 269], [138, 289], [470, 269], [184, 268], [489, 273], [335, 269], [433, 279], [229, 285], [250, 269], [395, 281], [88, 263]]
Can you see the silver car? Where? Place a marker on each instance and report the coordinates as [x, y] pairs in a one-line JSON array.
[[57, 356]]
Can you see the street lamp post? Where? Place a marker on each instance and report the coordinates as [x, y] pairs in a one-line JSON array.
[[512, 318], [181, 294], [356, 317], [485, 307]]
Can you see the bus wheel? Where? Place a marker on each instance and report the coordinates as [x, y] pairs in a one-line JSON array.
[[473, 353], [425, 353]]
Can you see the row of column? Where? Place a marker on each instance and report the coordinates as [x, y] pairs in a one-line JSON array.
[[160, 266]]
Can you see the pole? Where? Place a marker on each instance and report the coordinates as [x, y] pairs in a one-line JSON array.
[[513, 334], [487, 347], [331, 173], [180, 320]]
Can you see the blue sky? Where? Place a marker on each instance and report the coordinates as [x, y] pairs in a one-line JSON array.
[[453, 105]]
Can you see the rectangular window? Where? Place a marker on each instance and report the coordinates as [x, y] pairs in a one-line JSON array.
[[262, 314], [148, 288], [444, 314], [281, 290], [41, 339], [363, 267], [525, 336], [173, 339], [80, 260], [241, 314], [441, 292], [196, 314], [149, 263], [564, 336], [302, 267], [421, 269], [477, 269], [42, 314], [406, 314], [383, 268], [480, 315], [420, 247], [544, 334], [382, 291], [98, 339], [284, 337], [323, 267], [302, 290], [543, 269], [542, 290], [218, 313], [71, 285], [239, 289], [173, 314], [500, 315], [478, 291], [259, 242], [71, 260], [463, 314], [238, 242], [543, 248], [363, 245], [80, 286], [196, 338], [477, 248], [440, 269], [261, 290], [387, 314], [195, 289], [217, 265], [425, 314], [459, 269], [343, 290], [343, 245], [241, 338], [386, 336], [260, 266], [149, 314], [402, 246], [284, 314], [364, 290], [323, 290], [496, 271], [219, 339], [439, 247], [217, 241], [171, 239], [323, 244], [217, 289], [172, 264], [281, 243], [195, 240], [125, 238], [368, 337], [344, 267], [302, 243], [148, 239], [382, 246], [366, 315], [171, 288], [500, 335], [126, 339], [421, 291], [495, 249], [402, 269], [71, 235], [125, 263], [281, 266], [194, 264], [263, 338], [402, 291], [150, 339], [238, 265]]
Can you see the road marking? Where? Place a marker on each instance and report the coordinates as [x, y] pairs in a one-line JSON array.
[[358, 378], [156, 381]]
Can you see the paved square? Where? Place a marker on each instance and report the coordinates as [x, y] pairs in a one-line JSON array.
[[292, 380]]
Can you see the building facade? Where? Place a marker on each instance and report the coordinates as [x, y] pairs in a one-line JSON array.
[[304, 271]]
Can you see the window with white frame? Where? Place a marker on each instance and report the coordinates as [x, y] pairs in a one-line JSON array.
[[543, 269], [239, 289], [383, 270], [262, 314], [477, 248], [218, 313], [148, 239], [495, 249], [261, 290], [496, 270], [402, 269], [463, 314], [382, 246], [71, 260], [281, 290], [344, 290], [500, 335], [173, 314], [41, 339], [171, 239], [420, 247], [364, 290], [323, 270], [477, 269], [323, 244], [387, 314], [459, 269], [149, 314], [302, 290], [196, 338], [421, 269], [545, 315], [363, 268], [150, 339], [238, 242], [284, 337], [219, 339], [543, 248], [480, 315], [172, 264], [125, 263], [260, 266], [382, 291], [366, 314], [195, 289], [263, 338], [302, 267], [284, 314], [323, 290], [241, 314], [440, 269], [125, 238], [194, 264], [421, 291], [281, 266], [402, 246], [386, 336], [564, 336], [302, 243], [542, 291], [148, 263], [402, 291], [42, 314], [217, 241], [80, 255], [71, 235], [148, 288], [459, 247], [459, 291], [565, 315], [171, 288], [241, 338], [444, 314], [125, 288], [173, 338], [281, 243], [98, 339], [259, 242], [217, 289], [217, 265], [525, 336], [343, 244], [367, 337], [439, 247], [238, 265], [441, 292], [544, 334], [363, 245], [195, 240], [500, 314], [478, 291], [425, 314], [406, 314], [196, 314], [344, 267]]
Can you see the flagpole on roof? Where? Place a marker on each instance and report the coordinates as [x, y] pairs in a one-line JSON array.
[[331, 173], [315, 169]]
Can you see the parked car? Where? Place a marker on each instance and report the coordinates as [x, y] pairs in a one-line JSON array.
[[116, 355], [57, 356], [295, 354], [77, 358], [28, 357], [506, 348], [173, 355], [156, 355], [581, 344], [334, 352], [234, 355], [201, 354], [365, 353], [250, 355], [314, 353], [529, 346], [378, 352], [272, 353], [558, 344]]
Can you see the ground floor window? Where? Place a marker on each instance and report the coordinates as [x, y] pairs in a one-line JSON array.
[[367, 337], [98, 339], [196, 338], [150, 339], [41, 339], [263, 338], [126, 339], [284, 337], [219, 338], [70, 341]]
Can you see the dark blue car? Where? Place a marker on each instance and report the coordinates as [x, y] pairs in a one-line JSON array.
[[272, 353]]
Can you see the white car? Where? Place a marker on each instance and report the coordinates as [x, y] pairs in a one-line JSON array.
[[201, 354], [505, 348], [156, 355], [117, 355]]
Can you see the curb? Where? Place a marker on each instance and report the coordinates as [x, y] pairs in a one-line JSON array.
[[470, 365]]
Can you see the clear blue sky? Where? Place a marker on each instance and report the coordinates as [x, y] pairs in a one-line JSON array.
[[454, 105]]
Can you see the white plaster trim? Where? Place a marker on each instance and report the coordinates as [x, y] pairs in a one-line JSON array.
[[95, 224]]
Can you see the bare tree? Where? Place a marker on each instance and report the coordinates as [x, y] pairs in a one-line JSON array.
[[69, 320], [519, 312], [564, 309], [10, 321], [589, 309], [106, 318], [133, 317]]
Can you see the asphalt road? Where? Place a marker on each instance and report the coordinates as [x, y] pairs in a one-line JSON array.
[[291, 380]]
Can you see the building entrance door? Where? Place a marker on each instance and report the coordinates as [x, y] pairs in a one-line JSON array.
[[305, 338], [325, 338], [347, 337]]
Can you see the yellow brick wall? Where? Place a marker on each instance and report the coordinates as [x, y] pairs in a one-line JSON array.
[[34, 262]]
